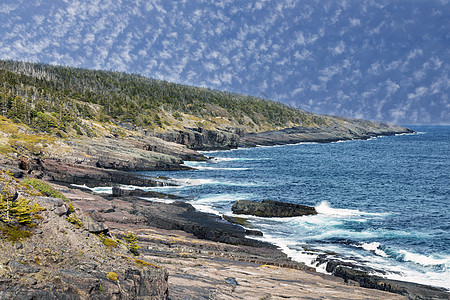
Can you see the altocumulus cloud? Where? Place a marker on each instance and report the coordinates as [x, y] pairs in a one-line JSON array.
[[384, 60]]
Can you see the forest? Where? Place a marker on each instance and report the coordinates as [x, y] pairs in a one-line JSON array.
[[56, 100]]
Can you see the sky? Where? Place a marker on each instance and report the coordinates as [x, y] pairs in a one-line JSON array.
[[381, 60]]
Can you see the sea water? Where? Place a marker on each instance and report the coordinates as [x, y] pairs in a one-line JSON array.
[[383, 203]]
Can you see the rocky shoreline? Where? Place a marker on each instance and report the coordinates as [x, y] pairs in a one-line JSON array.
[[169, 230]]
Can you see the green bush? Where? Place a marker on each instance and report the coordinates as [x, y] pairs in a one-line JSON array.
[[131, 242], [48, 190]]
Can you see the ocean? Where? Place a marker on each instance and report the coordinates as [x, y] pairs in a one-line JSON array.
[[383, 203]]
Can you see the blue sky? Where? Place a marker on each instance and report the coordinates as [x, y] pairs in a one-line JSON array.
[[379, 60]]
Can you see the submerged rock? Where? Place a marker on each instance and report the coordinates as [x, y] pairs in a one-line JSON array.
[[271, 208]]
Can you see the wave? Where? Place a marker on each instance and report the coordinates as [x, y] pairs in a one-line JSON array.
[[226, 159], [207, 166], [424, 260], [324, 208], [214, 198], [220, 168], [192, 181], [373, 247]]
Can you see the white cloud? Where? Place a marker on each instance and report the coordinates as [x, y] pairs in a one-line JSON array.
[[391, 87], [338, 49], [304, 55], [355, 22], [419, 92], [415, 53]]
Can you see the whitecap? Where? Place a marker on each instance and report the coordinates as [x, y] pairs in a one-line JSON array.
[[373, 247], [193, 181], [424, 260], [324, 208]]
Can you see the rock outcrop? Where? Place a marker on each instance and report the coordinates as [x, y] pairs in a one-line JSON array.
[[56, 170], [348, 129], [118, 192], [204, 139], [271, 208], [364, 277], [53, 258]]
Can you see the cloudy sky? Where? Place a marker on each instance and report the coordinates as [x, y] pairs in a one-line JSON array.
[[375, 59]]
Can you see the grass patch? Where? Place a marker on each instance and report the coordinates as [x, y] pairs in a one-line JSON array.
[[48, 190], [14, 233], [146, 264]]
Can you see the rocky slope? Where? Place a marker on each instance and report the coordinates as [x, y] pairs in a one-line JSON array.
[[54, 257]]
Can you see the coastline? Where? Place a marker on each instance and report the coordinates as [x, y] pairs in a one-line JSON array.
[[174, 237], [200, 246]]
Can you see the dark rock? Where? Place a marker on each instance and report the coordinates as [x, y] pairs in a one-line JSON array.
[[347, 129], [22, 268], [253, 232], [271, 208], [183, 216], [118, 192], [91, 176], [362, 275], [203, 139]]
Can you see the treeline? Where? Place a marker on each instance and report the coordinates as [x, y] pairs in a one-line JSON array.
[[55, 99]]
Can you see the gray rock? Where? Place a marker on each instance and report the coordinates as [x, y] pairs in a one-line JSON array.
[[91, 224], [118, 192], [61, 210], [271, 208], [22, 268]]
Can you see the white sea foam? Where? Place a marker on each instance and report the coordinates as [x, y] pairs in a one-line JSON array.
[[324, 208], [210, 166], [205, 208], [106, 190], [227, 159], [168, 201], [193, 181], [424, 260], [373, 247]]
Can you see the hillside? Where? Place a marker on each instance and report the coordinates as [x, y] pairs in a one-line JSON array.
[[57, 99], [87, 127]]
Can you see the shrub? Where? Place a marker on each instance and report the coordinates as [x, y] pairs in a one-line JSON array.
[[74, 220], [131, 243], [48, 190], [14, 233], [112, 276]]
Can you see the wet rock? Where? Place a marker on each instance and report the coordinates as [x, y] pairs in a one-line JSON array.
[[118, 192], [271, 208], [183, 216], [91, 176], [363, 276]]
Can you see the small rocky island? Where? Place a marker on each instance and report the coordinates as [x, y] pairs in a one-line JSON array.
[[270, 208]]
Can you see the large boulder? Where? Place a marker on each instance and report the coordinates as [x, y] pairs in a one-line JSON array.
[[118, 192], [271, 208]]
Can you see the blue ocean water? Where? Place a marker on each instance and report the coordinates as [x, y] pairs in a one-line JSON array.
[[383, 202]]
